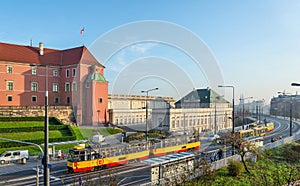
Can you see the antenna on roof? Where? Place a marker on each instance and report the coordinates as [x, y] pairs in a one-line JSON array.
[[31, 42]]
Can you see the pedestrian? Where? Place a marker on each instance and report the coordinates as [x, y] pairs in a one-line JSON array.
[[215, 155], [211, 158], [62, 155], [220, 154], [80, 180]]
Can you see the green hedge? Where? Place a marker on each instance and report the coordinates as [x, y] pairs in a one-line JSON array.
[[55, 121], [37, 141], [56, 125], [34, 129], [52, 120], [38, 118]]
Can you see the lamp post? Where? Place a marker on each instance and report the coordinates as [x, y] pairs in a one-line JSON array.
[[147, 92], [231, 86], [243, 126], [46, 130], [217, 97], [259, 109], [291, 122]]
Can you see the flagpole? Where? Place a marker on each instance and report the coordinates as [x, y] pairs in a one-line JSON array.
[[83, 39], [82, 33]]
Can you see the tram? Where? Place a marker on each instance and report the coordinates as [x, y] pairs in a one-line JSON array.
[[82, 158]]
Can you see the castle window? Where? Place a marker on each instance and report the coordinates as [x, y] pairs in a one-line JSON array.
[[56, 100], [9, 85], [67, 87], [33, 71], [55, 87], [67, 73], [55, 73], [33, 99], [9, 98], [9, 70], [73, 72], [34, 86]]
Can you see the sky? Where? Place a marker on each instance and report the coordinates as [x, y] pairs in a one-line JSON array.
[[251, 45]]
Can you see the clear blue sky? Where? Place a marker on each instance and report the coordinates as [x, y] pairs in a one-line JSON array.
[[256, 43]]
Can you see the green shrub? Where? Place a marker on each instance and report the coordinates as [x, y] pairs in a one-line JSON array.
[[113, 131], [235, 168], [38, 118], [135, 136]]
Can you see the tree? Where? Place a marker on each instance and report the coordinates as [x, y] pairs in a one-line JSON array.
[[243, 147]]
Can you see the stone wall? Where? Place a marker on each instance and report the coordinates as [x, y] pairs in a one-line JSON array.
[[63, 113]]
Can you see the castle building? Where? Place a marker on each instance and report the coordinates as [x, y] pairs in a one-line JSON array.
[[72, 77]]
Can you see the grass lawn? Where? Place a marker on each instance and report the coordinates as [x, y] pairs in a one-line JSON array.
[[89, 132], [80, 132], [22, 124], [35, 135], [273, 167]]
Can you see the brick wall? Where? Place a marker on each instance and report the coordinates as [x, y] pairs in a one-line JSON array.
[[64, 113]]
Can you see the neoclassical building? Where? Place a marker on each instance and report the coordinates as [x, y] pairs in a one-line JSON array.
[[201, 109], [72, 77], [130, 110]]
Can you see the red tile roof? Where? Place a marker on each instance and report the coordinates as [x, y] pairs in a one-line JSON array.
[[30, 55]]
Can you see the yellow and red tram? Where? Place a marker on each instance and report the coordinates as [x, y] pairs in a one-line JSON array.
[[81, 159]]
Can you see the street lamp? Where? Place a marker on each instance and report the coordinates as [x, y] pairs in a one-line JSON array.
[[46, 130], [232, 118], [217, 97], [258, 105], [244, 110], [295, 84], [147, 91], [291, 122]]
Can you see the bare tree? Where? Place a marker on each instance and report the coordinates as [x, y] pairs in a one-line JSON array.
[[243, 147]]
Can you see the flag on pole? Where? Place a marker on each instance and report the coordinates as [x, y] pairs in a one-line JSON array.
[[82, 30]]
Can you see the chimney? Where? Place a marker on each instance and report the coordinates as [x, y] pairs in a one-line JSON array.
[[41, 46]]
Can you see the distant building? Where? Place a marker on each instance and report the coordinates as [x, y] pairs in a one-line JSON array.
[[282, 105], [130, 110], [201, 109], [73, 77], [202, 98]]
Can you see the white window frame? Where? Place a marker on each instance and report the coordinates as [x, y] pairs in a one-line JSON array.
[[34, 88], [67, 73], [55, 87], [67, 87], [9, 69], [73, 72], [34, 71], [55, 73], [8, 85]]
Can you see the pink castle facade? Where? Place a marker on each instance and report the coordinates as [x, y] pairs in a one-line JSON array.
[[73, 77]]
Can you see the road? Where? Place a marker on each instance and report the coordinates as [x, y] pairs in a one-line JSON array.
[[132, 174]]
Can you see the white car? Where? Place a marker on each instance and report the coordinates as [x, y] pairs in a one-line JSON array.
[[213, 137]]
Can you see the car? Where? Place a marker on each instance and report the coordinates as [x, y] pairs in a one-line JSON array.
[[213, 137]]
